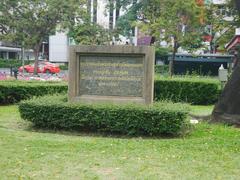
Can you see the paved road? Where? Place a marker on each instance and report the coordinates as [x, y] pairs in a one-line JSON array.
[[63, 73], [6, 70]]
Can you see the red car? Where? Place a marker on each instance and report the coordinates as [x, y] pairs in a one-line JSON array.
[[43, 67]]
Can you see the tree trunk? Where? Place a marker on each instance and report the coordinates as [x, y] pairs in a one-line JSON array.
[[227, 109], [211, 47], [22, 55], [171, 66], [171, 63], [36, 54]]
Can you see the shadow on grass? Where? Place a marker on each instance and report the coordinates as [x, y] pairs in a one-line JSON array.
[[85, 133]]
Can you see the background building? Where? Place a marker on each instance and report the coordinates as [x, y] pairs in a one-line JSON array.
[[100, 13], [14, 51]]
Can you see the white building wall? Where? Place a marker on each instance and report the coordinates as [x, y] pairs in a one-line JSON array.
[[58, 48], [219, 1], [102, 14]]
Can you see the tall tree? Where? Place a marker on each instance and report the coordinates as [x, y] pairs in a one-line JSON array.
[[88, 33], [29, 22], [227, 108], [177, 22], [219, 21], [136, 11]]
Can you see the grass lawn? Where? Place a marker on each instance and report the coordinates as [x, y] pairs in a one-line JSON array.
[[210, 152], [198, 110]]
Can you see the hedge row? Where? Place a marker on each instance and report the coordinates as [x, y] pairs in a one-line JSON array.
[[159, 69], [54, 112], [12, 63], [191, 90], [15, 91]]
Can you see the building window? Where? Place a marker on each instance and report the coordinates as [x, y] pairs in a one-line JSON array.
[[12, 55], [3, 55]]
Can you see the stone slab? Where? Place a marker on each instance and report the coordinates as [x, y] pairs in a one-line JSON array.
[[118, 74]]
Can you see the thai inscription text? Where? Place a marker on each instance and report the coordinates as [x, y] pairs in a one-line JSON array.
[[111, 75]]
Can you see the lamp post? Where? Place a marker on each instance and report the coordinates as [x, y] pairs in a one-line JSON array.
[[222, 75], [43, 49]]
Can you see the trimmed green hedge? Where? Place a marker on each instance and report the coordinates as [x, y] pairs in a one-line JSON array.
[[8, 63], [15, 91], [201, 91], [54, 112], [159, 69]]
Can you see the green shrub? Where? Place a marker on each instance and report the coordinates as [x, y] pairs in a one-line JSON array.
[[201, 91], [161, 69], [54, 112], [15, 91], [8, 63], [162, 54], [63, 67]]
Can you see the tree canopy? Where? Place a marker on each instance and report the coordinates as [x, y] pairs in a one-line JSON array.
[[88, 33], [29, 22]]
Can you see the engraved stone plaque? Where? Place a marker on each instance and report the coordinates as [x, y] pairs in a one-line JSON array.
[[111, 76], [119, 74]]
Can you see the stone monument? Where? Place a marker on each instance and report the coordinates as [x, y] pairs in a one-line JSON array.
[[118, 74]]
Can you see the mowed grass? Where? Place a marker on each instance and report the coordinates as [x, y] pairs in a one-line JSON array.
[[210, 152], [199, 110]]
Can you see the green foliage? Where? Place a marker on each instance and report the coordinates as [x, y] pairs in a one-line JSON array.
[[192, 90], [167, 17], [176, 22], [8, 63], [63, 67], [125, 23], [32, 21], [162, 53], [89, 33], [15, 91], [29, 23], [187, 12], [178, 89], [218, 27], [161, 69], [143, 12], [56, 113]]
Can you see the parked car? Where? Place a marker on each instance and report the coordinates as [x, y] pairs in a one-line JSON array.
[[43, 67]]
